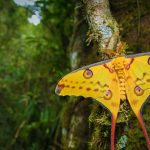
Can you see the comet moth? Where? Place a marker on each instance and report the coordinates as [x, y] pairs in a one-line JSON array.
[[112, 81]]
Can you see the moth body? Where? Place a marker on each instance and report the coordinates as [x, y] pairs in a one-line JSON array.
[[118, 65]]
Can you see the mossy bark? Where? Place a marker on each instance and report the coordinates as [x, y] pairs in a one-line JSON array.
[[86, 124], [75, 125]]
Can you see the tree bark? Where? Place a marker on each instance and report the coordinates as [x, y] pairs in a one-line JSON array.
[[103, 28], [75, 123]]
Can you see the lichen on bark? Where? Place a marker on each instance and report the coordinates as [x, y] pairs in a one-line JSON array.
[[103, 28]]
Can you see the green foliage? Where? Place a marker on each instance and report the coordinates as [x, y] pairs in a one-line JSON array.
[[32, 59], [123, 141]]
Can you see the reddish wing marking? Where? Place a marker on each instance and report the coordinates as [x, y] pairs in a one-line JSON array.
[[127, 67], [110, 70], [88, 89], [96, 90], [59, 88]]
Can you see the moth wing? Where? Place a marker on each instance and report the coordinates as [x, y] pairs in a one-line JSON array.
[[97, 81], [138, 86], [138, 81]]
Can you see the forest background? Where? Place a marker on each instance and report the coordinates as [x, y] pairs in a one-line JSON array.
[[35, 55]]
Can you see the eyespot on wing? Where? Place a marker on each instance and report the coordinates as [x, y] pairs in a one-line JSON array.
[[87, 73], [138, 91], [108, 95]]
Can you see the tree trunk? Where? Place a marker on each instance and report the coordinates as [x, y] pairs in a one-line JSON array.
[[75, 123]]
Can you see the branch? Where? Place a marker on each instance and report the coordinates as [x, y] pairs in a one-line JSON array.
[[102, 26]]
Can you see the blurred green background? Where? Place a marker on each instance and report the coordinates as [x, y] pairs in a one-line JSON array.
[[33, 43]]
